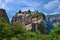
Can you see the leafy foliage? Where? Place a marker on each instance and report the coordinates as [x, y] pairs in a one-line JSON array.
[[17, 32]]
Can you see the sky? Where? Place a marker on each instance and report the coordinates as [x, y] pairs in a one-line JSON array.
[[48, 7]]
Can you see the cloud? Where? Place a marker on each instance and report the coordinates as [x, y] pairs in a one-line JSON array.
[[27, 8], [30, 3], [45, 13], [19, 4], [53, 13], [56, 11], [59, 6], [13, 6], [52, 5], [6, 1], [3, 5]]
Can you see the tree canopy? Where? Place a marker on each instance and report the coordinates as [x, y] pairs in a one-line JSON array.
[[17, 32]]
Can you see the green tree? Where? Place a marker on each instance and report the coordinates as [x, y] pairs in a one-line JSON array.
[[55, 33], [20, 11], [5, 31]]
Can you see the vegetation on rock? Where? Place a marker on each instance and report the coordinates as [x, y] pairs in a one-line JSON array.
[[17, 32]]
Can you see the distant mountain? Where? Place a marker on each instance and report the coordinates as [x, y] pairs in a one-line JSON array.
[[3, 14], [54, 19]]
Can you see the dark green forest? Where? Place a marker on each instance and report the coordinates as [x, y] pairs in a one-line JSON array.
[[17, 32]]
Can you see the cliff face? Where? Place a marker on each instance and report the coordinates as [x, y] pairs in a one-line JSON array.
[[31, 20], [4, 15], [54, 19]]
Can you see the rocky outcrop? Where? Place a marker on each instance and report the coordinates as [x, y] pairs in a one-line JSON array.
[[3, 14], [28, 19], [54, 19]]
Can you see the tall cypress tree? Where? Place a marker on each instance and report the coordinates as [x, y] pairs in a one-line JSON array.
[[20, 11]]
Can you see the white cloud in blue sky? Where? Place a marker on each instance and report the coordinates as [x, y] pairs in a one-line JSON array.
[[52, 5], [45, 6]]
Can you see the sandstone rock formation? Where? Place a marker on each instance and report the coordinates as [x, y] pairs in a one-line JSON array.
[[28, 18], [3, 14]]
